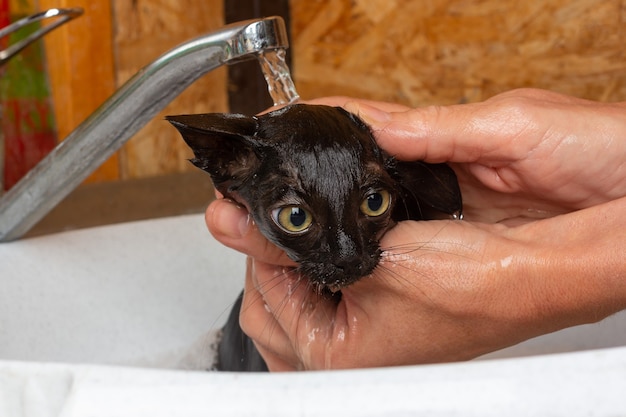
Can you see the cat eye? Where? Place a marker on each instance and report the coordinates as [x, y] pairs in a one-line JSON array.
[[376, 203], [292, 219]]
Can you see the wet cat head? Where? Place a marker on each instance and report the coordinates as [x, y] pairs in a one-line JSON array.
[[316, 184]]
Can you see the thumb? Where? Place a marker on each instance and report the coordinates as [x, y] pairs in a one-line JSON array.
[[231, 225]]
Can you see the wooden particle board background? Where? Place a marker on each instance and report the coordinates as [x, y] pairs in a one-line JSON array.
[[91, 57], [455, 51]]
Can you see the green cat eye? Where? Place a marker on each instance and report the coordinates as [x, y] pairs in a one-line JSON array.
[[376, 203], [293, 219]]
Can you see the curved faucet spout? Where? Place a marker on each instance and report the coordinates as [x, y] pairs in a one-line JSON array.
[[122, 115]]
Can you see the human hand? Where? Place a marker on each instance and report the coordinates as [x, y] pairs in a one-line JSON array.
[[520, 155], [445, 290]]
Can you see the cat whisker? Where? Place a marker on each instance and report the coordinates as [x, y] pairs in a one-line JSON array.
[[426, 246], [313, 290], [399, 278], [407, 257], [315, 293], [276, 281]]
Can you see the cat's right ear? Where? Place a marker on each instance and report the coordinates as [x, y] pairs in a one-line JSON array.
[[223, 145]]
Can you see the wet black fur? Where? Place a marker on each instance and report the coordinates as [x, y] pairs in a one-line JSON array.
[[326, 160]]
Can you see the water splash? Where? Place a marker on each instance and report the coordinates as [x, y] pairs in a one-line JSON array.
[[277, 75]]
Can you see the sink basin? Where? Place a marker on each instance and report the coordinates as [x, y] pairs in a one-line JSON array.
[[126, 294], [118, 321]]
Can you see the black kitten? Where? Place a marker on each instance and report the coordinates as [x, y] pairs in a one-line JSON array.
[[319, 187]]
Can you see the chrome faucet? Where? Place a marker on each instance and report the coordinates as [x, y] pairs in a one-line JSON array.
[[124, 113], [61, 16]]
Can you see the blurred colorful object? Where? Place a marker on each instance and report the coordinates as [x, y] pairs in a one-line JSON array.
[[25, 105]]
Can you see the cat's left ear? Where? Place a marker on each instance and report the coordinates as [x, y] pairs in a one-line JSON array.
[[223, 145]]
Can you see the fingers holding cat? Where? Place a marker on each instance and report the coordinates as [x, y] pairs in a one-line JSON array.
[[286, 320], [232, 225], [444, 291], [409, 311], [528, 142], [275, 300], [259, 322]]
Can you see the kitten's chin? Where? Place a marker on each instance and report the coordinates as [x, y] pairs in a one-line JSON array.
[[332, 278], [335, 289]]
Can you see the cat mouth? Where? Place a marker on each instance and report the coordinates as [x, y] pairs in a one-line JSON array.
[[333, 277]]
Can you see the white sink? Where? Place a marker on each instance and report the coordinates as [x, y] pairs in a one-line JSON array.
[[90, 320]]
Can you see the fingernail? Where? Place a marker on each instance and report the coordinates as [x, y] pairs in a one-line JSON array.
[[243, 225], [232, 220]]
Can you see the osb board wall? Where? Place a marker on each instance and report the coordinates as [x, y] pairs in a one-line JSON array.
[[80, 67], [453, 51], [91, 57], [145, 29], [407, 51]]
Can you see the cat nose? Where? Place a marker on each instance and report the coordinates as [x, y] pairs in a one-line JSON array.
[[349, 260], [352, 266]]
